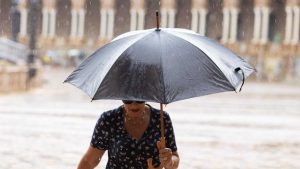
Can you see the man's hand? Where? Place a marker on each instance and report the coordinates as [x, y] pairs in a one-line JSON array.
[[165, 155]]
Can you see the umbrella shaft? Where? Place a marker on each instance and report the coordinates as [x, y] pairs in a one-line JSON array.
[[162, 127]]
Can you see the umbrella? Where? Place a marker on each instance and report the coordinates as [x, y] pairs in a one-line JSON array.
[[171, 64], [160, 65]]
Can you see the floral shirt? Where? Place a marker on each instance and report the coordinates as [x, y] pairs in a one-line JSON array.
[[125, 152]]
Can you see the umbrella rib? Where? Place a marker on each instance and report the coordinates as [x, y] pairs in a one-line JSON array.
[[205, 54], [162, 74], [227, 70], [119, 57]]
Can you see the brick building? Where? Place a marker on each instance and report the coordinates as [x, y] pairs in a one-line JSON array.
[[264, 31]]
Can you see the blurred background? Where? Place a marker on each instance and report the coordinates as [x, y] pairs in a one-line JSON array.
[[47, 124]]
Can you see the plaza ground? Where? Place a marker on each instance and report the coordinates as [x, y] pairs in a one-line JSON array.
[[259, 128]]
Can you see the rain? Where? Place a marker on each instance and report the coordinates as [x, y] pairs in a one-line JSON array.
[[45, 123]]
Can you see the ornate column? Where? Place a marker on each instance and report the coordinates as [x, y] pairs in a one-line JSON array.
[[133, 18], [259, 47], [52, 22], [288, 24], [23, 5], [234, 25], [202, 27], [74, 24], [81, 19], [77, 22], [195, 20], [45, 21], [137, 15], [49, 19], [291, 42], [103, 23], [141, 20], [164, 18], [199, 13], [111, 24], [292, 22], [107, 13], [295, 38], [265, 25], [261, 21], [230, 19], [226, 23], [257, 24], [171, 18], [168, 12]]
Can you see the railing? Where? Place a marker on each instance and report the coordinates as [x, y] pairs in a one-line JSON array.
[[14, 78], [13, 51]]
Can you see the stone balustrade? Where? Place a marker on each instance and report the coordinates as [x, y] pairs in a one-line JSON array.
[[14, 78]]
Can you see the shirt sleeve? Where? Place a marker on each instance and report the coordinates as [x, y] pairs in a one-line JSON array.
[[100, 138], [170, 136]]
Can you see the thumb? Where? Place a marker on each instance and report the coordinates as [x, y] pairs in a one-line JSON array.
[[158, 143]]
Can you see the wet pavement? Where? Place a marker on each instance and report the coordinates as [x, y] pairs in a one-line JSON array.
[[259, 128]]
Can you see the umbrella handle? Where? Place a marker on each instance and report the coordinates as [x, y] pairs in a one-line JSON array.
[[149, 161], [162, 138], [239, 69]]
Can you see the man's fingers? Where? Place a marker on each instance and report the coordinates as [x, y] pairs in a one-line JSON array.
[[165, 154], [165, 150]]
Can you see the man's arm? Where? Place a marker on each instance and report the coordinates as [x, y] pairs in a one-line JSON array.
[[91, 158]]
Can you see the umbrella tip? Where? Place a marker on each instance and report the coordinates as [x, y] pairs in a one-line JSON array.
[[239, 69], [157, 21]]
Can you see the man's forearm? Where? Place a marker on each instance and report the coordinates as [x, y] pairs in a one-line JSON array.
[[84, 164]]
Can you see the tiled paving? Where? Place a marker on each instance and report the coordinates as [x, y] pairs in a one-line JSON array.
[[259, 128]]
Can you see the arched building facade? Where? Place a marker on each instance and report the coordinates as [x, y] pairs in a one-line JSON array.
[[265, 31]]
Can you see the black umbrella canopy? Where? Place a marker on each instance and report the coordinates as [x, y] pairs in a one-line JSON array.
[[160, 65]]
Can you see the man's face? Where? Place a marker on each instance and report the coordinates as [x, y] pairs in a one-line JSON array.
[[134, 109]]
